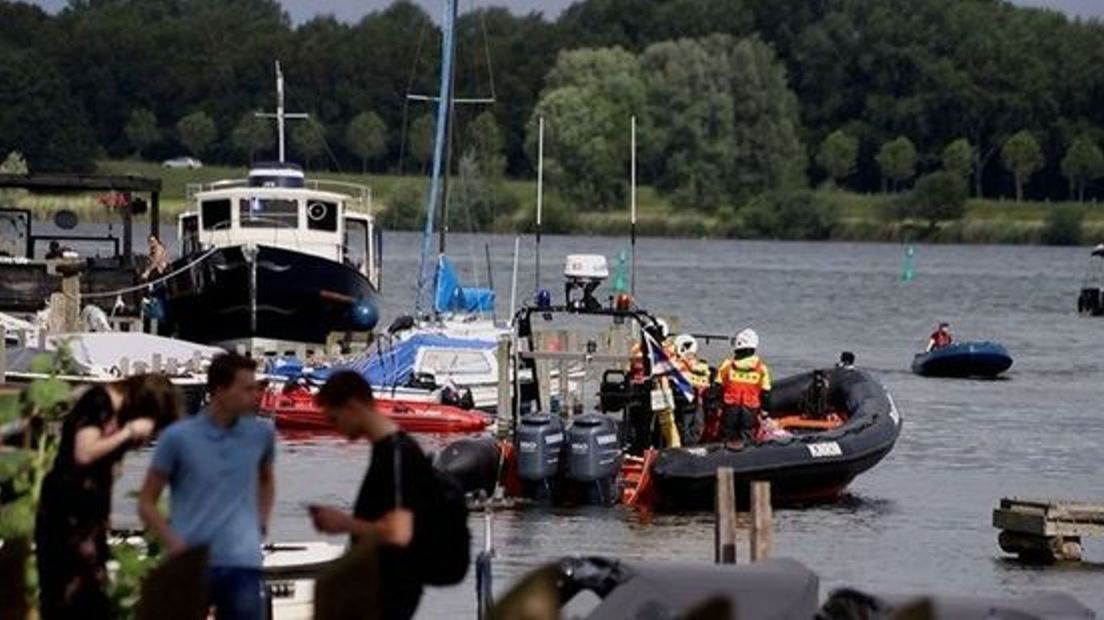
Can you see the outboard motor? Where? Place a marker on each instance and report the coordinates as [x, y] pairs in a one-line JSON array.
[[540, 442], [473, 462], [595, 458]]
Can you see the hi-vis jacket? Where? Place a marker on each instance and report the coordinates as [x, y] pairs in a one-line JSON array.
[[744, 381]]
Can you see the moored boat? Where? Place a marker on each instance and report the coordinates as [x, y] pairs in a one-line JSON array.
[[964, 360], [293, 410]]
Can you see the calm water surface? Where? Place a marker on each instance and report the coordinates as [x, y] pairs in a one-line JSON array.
[[919, 521]]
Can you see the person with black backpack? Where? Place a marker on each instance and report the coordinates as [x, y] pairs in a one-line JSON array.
[[416, 513]]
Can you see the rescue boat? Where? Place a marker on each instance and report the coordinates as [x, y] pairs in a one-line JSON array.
[[983, 360], [834, 425], [293, 410]]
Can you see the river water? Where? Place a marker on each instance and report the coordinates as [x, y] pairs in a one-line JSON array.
[[917, 522]]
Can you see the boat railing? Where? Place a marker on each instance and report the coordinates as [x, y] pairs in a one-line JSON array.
[[359, 196]]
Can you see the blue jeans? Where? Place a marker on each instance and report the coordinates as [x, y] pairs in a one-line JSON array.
[[236, 593]]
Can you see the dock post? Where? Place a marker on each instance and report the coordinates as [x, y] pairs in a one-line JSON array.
[[71, 303], [505, 401], [3, 354], [724, 533], [762, 521]]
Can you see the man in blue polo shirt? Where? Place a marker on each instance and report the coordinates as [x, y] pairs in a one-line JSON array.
[[218, 467]]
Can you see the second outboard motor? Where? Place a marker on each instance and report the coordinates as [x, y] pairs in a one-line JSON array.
[[540, 441], [595, 458]]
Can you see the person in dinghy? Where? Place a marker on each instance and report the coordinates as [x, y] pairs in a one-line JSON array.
[[940, 338]]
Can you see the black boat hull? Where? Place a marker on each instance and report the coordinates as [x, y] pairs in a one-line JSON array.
[[265, 292], [805, 468]]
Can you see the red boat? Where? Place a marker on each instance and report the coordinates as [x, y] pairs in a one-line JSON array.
[[293, 409]]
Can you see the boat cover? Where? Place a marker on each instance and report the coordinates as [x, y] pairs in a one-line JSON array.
[[99, 352], [849, 603], [452, 296], [394, 366], [779, 589]]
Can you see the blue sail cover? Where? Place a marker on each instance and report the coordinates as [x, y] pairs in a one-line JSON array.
[[451, 296], [395, 366]]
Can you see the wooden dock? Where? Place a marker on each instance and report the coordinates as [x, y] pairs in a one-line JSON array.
[[1046, 531]]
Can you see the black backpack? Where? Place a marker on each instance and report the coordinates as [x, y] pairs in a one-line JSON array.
[[442, 540]]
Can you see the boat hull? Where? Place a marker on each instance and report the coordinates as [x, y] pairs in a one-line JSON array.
[[811, 467], [294, 411], [266, 292], [964, 360]]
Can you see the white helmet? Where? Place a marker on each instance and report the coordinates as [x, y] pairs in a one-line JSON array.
[[747, 339], [685, 344]]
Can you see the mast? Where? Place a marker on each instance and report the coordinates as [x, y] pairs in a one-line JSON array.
[[540, 195], [280, 114], [449, 121], [427, 267]]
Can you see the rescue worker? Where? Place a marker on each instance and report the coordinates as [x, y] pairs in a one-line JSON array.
[[743, 379], [689, 414], [940, 338], [655, 401]]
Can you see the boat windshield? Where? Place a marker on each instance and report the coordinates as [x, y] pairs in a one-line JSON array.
[[256, 212]]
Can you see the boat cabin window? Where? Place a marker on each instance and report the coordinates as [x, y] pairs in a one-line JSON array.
[[356, 244], [443, 362], [216, 214], [189, 234], [322, 215], [268, 213]]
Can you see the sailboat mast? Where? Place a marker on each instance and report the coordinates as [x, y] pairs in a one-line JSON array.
[[428, 267], [450, 119]]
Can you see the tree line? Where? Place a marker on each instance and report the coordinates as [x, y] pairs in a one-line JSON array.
[[732, 98]]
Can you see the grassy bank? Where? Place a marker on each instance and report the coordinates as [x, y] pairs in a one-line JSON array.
[[399, 202]]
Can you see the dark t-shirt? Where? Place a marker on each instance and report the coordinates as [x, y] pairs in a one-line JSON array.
[[401, 588]]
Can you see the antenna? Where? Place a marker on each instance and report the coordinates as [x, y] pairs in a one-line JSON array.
[[632, 214], [540, 192], [280, 114]]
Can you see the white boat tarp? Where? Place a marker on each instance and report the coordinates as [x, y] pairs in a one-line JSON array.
[[100, 352]]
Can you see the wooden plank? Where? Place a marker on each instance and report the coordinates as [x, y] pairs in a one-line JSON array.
[[762, 521], [724, 532], [1024, 522]]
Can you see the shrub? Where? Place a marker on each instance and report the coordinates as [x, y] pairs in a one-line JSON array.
[[1063, 225], [405, 207], [938, 196], [798, 214]]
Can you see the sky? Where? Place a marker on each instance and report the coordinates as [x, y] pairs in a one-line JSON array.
[[352, 10]]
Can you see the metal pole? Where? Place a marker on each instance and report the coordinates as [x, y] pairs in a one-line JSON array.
[[540, 193], [632, 215], [280, 109], [484, 564], [449, 118], [490, 274], [514, 279]]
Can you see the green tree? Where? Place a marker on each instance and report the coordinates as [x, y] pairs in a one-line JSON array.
[[485, 140], [897, 161], [958, 158], [1023, 157], [1063, 225], [366, 137], [251, 134], [421, 139], [800, 215], [197, 132], [838, 155], [721, 124], [1083, 164], [589, 97], [141, 130], [937, 197], [309, 138]]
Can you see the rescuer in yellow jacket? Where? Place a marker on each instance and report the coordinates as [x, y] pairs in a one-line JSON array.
[[744, 379]]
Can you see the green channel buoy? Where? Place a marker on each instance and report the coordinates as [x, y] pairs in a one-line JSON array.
[[909, 270]]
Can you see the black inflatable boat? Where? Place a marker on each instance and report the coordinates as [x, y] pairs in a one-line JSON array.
[[816, 463]]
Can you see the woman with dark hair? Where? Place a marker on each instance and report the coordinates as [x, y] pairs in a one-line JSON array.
[[73, 511]]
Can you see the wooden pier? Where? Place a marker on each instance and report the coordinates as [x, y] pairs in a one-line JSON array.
[[1046, 531]]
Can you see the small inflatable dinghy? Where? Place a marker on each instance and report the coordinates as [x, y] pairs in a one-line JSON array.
[[964, 360]]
